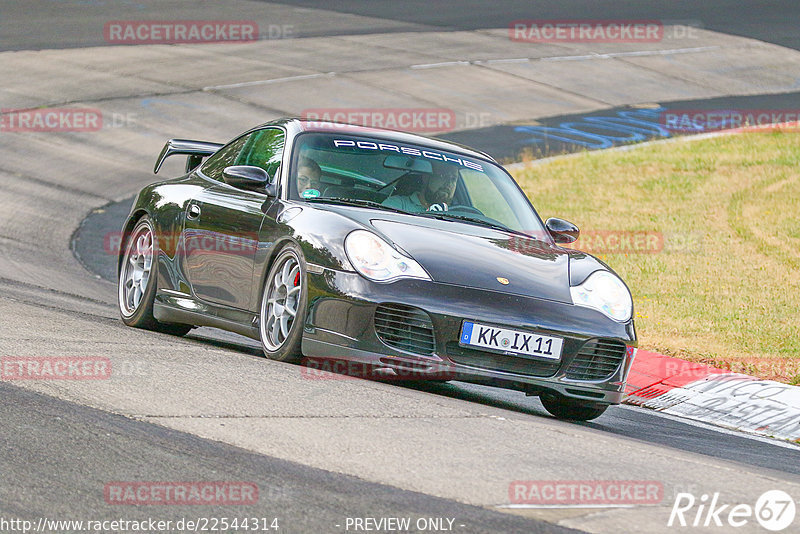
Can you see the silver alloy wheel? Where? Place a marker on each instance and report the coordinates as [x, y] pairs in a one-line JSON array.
[[280, 302], [136, 268]]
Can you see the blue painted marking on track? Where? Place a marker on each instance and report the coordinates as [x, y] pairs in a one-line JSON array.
[[600, 131]]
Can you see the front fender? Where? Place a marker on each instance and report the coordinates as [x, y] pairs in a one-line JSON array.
[[319, 234]]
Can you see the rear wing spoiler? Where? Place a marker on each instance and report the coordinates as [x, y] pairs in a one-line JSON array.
[[196, 150]]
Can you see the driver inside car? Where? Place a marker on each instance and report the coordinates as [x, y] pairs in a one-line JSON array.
[[308, 178], [436, 193]]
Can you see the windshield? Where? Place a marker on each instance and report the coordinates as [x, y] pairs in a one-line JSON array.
[[410, 178]]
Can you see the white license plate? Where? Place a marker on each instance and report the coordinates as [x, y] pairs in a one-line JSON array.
[[508, 340]]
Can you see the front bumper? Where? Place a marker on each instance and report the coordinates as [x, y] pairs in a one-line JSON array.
[[341, 326]]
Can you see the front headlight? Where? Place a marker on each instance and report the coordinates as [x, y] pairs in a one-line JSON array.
[[605, 292], [375, 259]]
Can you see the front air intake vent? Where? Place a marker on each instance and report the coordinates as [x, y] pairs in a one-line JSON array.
[[598, 359], [406, 328]]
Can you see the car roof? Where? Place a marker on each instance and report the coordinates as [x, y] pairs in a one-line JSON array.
[[309, 125]]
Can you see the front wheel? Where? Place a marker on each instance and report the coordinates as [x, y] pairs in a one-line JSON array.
[[283, 306], [571, 410], [137, 281]]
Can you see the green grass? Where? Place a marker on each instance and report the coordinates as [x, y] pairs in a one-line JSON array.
[[724, 289]]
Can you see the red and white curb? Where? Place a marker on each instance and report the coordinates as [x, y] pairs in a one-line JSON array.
[[716, 396]]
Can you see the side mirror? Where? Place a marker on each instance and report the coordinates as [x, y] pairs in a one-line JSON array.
[[248, 177], [562, 231]]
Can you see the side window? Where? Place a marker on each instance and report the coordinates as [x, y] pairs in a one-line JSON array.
[[263, 149], [224, 157]]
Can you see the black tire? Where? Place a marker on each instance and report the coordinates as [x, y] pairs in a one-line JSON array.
[[278, 342], [572, 410], [136, 309]]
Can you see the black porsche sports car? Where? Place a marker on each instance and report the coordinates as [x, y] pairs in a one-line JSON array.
[[414, 256]]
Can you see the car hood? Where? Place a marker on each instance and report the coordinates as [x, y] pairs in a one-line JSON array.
[[473, 256]]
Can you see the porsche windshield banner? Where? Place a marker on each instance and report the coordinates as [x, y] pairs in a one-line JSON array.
[[408, 151]]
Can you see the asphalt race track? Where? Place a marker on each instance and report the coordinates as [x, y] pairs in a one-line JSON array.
[[304, 499], [208, 407], [70, 23]]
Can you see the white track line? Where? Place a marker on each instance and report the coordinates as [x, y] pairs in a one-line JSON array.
[[273, 80], [511, 60], [528, 506], [442, 64], [461, 63], [637, 53]]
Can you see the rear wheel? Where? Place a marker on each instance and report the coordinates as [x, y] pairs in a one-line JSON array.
[[283, 306], [137, 281], [571, 410]]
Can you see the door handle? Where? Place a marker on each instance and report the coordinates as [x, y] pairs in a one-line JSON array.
[[194, 211]]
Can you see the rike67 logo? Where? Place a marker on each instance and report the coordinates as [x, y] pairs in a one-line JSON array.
[[774, 510]]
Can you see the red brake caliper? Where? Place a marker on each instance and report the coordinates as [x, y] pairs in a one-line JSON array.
[[297, 279]]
